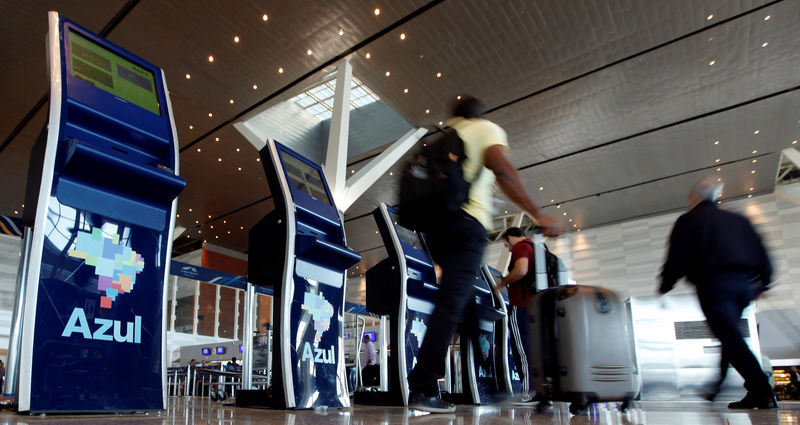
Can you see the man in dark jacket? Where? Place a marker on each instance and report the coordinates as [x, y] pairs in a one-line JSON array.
[[722, 255]]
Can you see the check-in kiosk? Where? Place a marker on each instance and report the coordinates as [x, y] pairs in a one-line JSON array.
[[93, 295], [402, 287], [508, 379], [299, 249], [481, 380]]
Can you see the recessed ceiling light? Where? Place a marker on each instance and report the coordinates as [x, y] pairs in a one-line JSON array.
[[212, 226], [794, 142], [352, 171], [388, 73], [198, 150], [219, 159], [265, 17], [710, 17], [309, 52], [377, 11], [719, 169], [210, 115], [403, 36], [751, 189], [16, 212], [575, 225], [236, 39], [570, 220], [209, 216], [558, 206], [280, 70], [752, 171], [237, 149], [565, 213], [441, 122], [716, 142], [241, 227], [438, 75], [230, 101], [211, 58], [240, 168], [405, 90], [719, 202], [764, 44], [719, 179], [755, 151], [216, 237], [541, 187], [458, 97], [178, 215], [188, 76], [757, 131], [190, 210], [216, 139], [191, 127], [368, 55], [341, 32], [716, 160], [258, 159], [255, 86], [766, 18], [552, 200], [750, 195], [754, 161], [224, 221], [427, 111], [712, 63], [391, 173]]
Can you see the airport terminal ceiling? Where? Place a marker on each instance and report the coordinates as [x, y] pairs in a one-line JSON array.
[[612, 108]]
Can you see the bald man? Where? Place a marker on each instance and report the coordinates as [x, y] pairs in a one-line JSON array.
[[722, 255]]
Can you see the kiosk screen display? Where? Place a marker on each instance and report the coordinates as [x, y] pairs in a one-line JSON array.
[[305, 178], [111, 72], [407, 236]]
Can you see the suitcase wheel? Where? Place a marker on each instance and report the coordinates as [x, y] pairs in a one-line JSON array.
[[626, 404], [578, 409]]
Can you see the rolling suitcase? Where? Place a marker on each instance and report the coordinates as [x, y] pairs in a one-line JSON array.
[[582, 347]]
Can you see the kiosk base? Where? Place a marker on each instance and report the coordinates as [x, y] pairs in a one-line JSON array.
[[261, 399]]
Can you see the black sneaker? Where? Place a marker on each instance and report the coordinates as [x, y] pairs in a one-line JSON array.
[[751, 401], [433, 404]]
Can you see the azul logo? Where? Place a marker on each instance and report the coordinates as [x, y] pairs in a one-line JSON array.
[[77, 323], [318, 355], [189, 271], [116, 265]]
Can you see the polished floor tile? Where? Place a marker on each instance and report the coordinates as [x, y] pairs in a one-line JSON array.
[[203, 411]]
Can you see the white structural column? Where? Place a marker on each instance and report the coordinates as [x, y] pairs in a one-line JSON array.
[[505, 256], [336, 157], [793, 155], [370, 173]]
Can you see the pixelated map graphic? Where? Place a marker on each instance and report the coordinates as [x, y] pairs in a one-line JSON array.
[[115, 265], [484, 343], [418, 328], [321, 312]]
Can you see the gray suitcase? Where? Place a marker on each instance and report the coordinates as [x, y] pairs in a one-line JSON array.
[[582, 347]]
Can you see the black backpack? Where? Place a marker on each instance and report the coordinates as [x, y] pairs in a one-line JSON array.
[[432, 185], [551, 265]]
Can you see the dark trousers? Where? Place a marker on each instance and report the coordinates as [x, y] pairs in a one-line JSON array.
[[723, 302], [520, 350], [457, 247]]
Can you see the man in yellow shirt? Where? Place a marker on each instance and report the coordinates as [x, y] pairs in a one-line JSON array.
[[457, 245]]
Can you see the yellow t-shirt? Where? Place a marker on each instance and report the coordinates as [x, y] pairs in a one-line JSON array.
[[478, 135]]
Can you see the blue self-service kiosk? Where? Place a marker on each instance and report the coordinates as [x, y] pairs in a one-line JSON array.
[[93, 324], [508, 378], [402, 286], [477, 337], [300, 250]]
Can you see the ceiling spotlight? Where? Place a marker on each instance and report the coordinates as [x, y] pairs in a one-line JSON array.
[[541, 187], [188, 76], [712, 63], [716, 160], [558, 206], [211, 58], [752, 171], [258, 159], [565, 213], [219, 159], [710, 17], [441, 123], [755, 152], [190, 210], [754, 161], [352, 171], [236, 39], [719, 169], [405, 90], [210, 115], [757, 131], [209, 216], [198, 150], [750, 195], [427, 111], [716, 142], [212, 226], [191, 127], [265, 18], [241, 227], [751, 189], [794, 142], [438, 75], [719, 179], [766, 18], [368, 55], [341, 32], [224, 221], [255, 86], [388, 73], [216, 139], [391, 173], [458, 97], [552, 200], [575, 225], [16, 212], [309, 52], [237, 149], [280, 70], [230, 101], [570, 220], [377, 11], [240, 168], [764, 44]]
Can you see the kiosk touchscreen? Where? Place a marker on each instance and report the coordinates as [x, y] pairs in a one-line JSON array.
[[300, 250], [402, 287], [92, 322], [508, 379]]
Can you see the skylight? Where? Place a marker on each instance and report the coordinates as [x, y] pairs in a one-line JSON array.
[[319, 100]]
